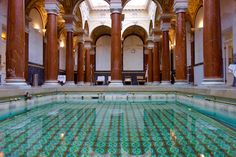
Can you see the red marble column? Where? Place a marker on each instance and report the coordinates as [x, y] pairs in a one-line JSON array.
[[180, 7], [212, 43], [87, 67], [92, 63], [15, 49], [26, 55], [156, 62], [192, 57], [69, 59], [146, 64], [150, 66], [80, 64], [165, 58], [52, 45], [116, 56], [180, 50]]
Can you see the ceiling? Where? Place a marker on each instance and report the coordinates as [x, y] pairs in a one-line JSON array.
[[132, 4], [137, 4], [98, 4]]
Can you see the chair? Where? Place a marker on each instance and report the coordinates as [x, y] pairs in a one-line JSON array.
[[128, 80], [109, 80], [100, 80], [141, 80]]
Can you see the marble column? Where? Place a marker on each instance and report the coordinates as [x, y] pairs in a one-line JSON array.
[[150, 66], [180, 7], [116, 56], [150, 60], [69, 51], [192, 57], [165, 54], [80, 62], [88, 71], [27, 22], [92, 63], [52, 8], [212, 45], [15, 48], [156, 61]]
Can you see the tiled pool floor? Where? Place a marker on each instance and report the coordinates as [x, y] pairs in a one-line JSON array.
[[115, 129]]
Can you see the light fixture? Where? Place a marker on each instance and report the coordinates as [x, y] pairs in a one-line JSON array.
[[201, 24], [62, 45], [36, 26], [4, 36]]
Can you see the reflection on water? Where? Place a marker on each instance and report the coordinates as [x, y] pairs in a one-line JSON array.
[[114, 129]]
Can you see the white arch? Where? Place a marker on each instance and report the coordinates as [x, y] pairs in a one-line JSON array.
[[199, 70], [95, 25], [144, 25], [36, 37]]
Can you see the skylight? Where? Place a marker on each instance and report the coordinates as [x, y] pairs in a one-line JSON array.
[[98, 4], [137, 4], [132, 4]]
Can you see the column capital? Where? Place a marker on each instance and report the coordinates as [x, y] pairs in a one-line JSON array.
[[116, 6], [92, 51], [150, 44], [165, 26], [180, 6], [165, 21], [52, 7], [80, 39], [69, 27], [69, 22], [88, 43], [157, 38]]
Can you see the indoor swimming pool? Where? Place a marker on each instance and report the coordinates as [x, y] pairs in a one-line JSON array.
[[115, 128]]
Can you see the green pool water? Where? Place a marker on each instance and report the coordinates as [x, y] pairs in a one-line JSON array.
[[115, 129]]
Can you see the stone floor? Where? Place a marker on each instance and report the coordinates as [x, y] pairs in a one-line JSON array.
[[218, 91]]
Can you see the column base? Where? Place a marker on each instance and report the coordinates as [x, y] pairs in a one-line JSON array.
[[16, 83], [149, 83], [70, 83], [81, 83], [116, 83], [181, 83], [213, 82], [165, 83], [51, 83], [156, 83], [87, 84]]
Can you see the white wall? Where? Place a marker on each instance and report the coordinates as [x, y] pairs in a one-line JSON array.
[[3, 22], [62, 53], [133, 54], [103, 53], [228, 20], [198, 70], [35, 38], [188, 43]]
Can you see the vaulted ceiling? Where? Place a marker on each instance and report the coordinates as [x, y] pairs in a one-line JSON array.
[[72, 7], [69, 5]]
